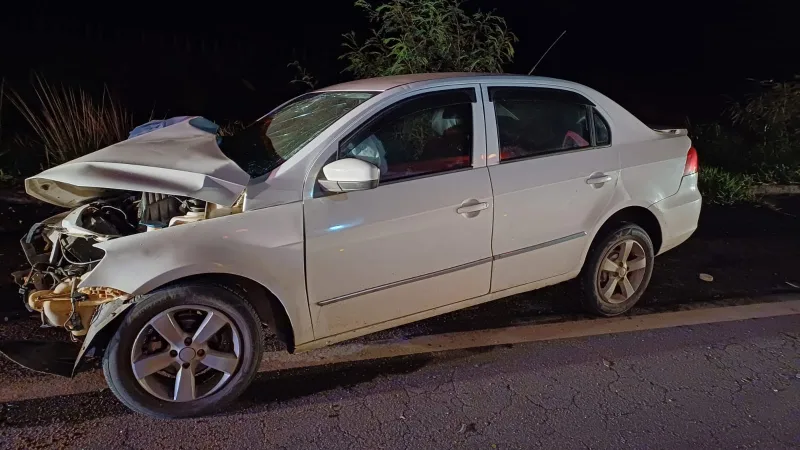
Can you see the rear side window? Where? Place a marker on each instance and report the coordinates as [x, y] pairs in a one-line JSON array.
[[427, 134], [536, 121], [602, 134]]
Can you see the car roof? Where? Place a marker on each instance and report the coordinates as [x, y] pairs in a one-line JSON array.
[[381, 84]]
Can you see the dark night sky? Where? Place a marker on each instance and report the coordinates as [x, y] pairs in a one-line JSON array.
[[664, 61]]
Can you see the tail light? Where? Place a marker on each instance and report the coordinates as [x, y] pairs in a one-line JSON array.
[[691, 162]]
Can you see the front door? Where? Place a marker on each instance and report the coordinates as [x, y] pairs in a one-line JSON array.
[[422, 238], [553, 176]]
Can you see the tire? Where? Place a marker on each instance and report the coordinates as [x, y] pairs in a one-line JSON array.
[[184, 305], [597, 279]]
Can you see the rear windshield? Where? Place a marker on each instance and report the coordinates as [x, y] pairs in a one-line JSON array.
[[276, 137]]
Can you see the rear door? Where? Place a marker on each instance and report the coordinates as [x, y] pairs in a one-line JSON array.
[[422, 238], [553, 172]]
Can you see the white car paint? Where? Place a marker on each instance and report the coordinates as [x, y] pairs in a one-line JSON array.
[[349, 264], [177, 160], [264, 245], [678, 213], [350, 174]]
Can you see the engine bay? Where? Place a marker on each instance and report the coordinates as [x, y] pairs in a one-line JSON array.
[[61, 250]]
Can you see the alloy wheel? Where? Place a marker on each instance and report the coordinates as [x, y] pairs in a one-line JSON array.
[[186, 353], [621, 271]]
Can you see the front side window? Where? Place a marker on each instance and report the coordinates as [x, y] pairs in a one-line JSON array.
[[423, 135], [530, 124], [276, 137]]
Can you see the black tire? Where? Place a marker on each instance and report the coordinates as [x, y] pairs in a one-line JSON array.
[[117, 366], [593, 300]]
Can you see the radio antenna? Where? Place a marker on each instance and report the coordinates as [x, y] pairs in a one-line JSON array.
[[548, 50]]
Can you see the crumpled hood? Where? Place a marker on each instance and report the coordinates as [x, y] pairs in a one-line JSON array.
[[179, 159]]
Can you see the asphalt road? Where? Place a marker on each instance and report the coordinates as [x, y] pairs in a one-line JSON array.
[[730, 385]]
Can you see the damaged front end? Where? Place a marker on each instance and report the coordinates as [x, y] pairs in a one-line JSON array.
[[181, 177], [61, 253]]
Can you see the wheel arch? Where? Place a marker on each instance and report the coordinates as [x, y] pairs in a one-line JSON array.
[[269, 308], [636, 214]]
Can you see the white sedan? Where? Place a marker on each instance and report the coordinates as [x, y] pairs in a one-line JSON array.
[[345, 211]]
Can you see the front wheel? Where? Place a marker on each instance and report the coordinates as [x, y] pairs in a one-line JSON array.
[[617, 270], [185, 350]]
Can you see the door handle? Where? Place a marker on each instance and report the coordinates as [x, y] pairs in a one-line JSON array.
[[471, 207], [599, 179]]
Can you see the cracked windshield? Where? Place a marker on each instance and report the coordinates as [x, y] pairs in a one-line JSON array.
[[276, 137]]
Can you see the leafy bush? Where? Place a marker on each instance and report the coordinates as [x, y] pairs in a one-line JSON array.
[[302, 75], [721, 146], [416, 36], [759, 136], [721, 187], [69, 123], [772, 116]]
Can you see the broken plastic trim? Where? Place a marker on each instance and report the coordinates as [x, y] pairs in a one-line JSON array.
[[62, 357], [105, 314]]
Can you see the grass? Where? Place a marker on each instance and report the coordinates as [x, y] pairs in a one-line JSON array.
[[69, 123], [778, 173], [720, 187], [7, 178]]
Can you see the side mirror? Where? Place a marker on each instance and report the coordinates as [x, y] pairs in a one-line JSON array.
[[348, 175]]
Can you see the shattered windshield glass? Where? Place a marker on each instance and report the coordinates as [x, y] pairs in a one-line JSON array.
[[276, 137]]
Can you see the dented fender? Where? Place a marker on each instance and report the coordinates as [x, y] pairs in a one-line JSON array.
[[265, 246]]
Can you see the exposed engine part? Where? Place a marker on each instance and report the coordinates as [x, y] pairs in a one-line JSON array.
[[214, 210], [157, 209], [64, 306], [61, 250], [102, 220], [79, 250], [191, 216]]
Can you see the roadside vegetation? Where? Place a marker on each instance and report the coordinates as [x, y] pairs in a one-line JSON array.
[[68, 123], [417, 36], [61, 124], [756, 140]]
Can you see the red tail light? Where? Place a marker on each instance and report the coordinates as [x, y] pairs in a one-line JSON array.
[[691, 162]]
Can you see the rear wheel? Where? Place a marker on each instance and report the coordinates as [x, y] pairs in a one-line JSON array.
[[617, 270], [185, 350]]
